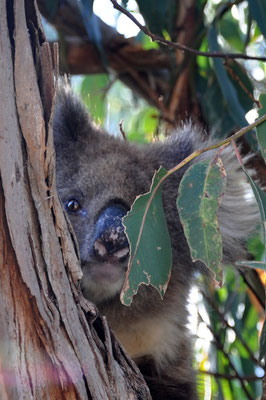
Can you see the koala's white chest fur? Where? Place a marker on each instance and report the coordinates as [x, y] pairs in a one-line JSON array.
[[155, 337]]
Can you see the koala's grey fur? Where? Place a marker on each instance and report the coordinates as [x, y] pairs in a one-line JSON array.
[[97, 169]]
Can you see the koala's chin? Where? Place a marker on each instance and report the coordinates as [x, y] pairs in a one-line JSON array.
[[102, 281]]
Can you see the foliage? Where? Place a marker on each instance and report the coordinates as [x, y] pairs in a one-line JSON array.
[[92, 93], [233, 350], [204, 184], [206, 181], [224, 88], [147, 213]]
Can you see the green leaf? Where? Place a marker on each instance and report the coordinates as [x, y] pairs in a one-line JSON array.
[[261, 201], [258, 12], [144, 125], [230, 30], [159, 15], [214, 108], [252, 264], [263, 341], [261, 129], [146, 41], [92, 91], [150, 245], [255, 247], [199, 195], [235, 109], [242, 84], [92, 25], [229, 92]]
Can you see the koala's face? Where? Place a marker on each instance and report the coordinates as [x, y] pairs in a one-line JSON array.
[[98, 178], [97, 187]]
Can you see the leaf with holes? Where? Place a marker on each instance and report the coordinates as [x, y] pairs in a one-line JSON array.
[[199, 195], [150, 246]]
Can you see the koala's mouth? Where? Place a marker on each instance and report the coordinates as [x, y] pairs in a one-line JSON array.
[[106, 272], [102, 281], [105, 268], [113, 253]]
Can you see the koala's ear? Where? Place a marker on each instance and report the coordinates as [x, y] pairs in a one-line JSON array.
[[71, 120], [178, 145]]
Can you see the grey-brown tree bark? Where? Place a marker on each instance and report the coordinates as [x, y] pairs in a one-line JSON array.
[[53, 344]]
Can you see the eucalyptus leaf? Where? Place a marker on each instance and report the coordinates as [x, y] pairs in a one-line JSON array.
[[261, 201], [263, 341], [214, 108], [92, 90], [242, 84], [144, 125], [203, 184], [150, 245], [92, 25], [159, 15], [235, 109], [252, 264], [258, 12], [229, 92], [230, 30]]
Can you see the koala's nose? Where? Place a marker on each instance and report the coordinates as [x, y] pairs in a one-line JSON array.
[[110, 240]]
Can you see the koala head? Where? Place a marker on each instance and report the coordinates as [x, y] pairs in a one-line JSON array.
[[98, 178]]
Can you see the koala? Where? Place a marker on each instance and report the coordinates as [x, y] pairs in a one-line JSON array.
[[98, 178]]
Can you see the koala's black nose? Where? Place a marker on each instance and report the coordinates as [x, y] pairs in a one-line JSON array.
[[110, 240]]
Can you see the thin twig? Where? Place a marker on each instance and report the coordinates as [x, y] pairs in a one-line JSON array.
[[169, 43], [123, 133], [238, 156], [229, 377]]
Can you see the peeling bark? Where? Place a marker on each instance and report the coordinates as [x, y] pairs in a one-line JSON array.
[[53, 343]]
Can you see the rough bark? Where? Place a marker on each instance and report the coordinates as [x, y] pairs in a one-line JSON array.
[[53, 343]]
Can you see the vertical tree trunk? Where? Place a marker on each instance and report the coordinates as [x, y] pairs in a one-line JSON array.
[[53, 345]]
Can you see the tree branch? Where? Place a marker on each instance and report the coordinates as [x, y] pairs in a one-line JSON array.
[[175, 45]]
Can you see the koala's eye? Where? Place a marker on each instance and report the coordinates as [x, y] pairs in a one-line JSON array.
[[73, 205]]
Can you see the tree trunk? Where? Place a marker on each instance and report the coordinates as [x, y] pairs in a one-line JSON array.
[[53, 343]]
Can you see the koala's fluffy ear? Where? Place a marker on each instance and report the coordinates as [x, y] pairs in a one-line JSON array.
[[71, 120], [178, 146]]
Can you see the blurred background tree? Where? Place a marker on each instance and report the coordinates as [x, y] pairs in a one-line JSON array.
[[154, 85]]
